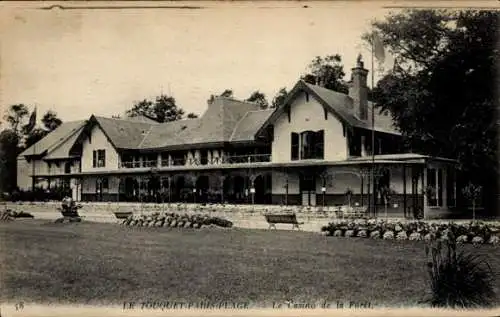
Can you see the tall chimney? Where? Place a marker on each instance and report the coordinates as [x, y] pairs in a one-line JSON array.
[[358, 89]]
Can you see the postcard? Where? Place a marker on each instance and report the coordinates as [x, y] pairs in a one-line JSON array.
[[207, 158]]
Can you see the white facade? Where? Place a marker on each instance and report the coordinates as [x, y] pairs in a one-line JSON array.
[[308, 114], [99, 141]]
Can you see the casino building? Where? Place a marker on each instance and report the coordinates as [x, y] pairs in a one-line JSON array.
[[314, 150]]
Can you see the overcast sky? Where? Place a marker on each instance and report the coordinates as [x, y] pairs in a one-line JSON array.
[[83, 62]]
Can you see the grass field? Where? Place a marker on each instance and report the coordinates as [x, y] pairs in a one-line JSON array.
[[96, 263]]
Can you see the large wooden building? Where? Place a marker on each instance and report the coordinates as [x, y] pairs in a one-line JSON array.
[[311, 151]]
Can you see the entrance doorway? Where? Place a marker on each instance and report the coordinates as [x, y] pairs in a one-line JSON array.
[[308, 189]]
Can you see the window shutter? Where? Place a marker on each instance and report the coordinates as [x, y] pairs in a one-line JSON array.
[[94, 159], [295, 146]]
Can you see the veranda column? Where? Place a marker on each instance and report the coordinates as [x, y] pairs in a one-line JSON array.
[[444, 183], [404, 190], [286, 187], [424, 181], [438, 186], [169, 179], [252, 178], [222, 178]]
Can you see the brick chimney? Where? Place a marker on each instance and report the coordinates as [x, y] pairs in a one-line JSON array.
[[358, 90]]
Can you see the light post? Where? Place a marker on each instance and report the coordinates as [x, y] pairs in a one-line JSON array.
[[252, 191], [323, 190]]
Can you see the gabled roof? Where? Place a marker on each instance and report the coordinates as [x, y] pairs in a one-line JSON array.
[[62, 151], [54, 139], [341, 105]]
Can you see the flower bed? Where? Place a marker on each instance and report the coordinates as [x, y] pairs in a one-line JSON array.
[[473, 232], [174, 220]]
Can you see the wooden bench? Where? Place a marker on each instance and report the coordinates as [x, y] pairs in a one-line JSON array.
[[272, 220], [120, 215], [356, 212]]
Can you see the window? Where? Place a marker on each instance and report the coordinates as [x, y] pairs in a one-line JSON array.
[[450, 187], [307, 145], [431, 187], [295, 146], [99, 158], [67, 167], [204, 157], [319, 147]]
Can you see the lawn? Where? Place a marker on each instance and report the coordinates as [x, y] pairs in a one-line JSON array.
[[96, 263]]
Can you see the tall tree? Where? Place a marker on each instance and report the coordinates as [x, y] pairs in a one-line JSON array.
[[51, 121], [442, 90], [9, 149], [163, 109], [34, 136], [327, 72], [16, 115], [259, 98], [279, 99]]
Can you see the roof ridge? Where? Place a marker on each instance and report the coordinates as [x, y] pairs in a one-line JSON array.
[[145, 136], [237, 124]]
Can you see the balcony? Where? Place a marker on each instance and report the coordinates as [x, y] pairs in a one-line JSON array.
[[138, 164], [231, 160]]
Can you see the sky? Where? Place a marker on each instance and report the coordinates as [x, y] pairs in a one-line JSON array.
[[100, 61]]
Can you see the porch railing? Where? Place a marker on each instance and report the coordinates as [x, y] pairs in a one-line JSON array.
[[228, 159]]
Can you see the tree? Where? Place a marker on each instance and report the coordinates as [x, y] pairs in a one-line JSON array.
[[163, 109], [34, 136], [441, 91], [51, 121], [327, 72], [228, 93], [280, 98], [259, 98], [472, 192], [9, 149], [16, 115]]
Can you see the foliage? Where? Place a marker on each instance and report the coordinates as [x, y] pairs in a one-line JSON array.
[[458, 280], [445, 68], [327, 72], [228, 93], [280, 98], [472, 193], [34, 136], [488, 233], [259, 98], [163, 109], [177, 220], [9, 148], [51, 121], [16, 115]]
